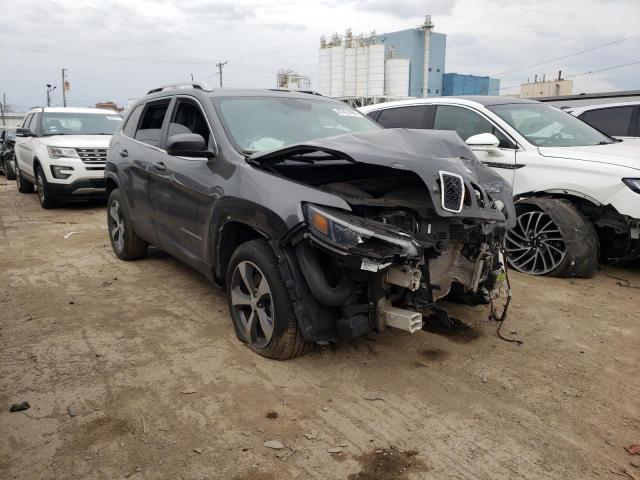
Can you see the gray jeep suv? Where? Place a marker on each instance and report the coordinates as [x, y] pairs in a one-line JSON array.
[[319, 224]]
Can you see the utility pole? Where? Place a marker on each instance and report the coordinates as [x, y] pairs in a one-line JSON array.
[[64, 87], [50, 88], [220, 65]]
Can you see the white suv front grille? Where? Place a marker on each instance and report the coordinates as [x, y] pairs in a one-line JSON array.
[[92, 155]]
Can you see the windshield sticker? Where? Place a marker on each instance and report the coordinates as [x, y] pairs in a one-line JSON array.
[[346, 112]]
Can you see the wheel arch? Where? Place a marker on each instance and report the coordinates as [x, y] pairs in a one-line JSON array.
[[236, 221], [575, 197], [111, 183]]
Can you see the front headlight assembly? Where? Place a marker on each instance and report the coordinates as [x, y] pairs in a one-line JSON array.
[[632, 183], [62, 152], [358, 235]]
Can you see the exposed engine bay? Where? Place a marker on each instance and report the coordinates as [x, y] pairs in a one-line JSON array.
[[413, 235]]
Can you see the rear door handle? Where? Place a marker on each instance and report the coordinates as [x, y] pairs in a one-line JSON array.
[[160, 166], [124, 153]]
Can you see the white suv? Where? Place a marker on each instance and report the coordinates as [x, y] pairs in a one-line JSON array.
[[578, 190], [62, 152]]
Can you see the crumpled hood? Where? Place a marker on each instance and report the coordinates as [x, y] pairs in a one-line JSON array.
[[78, 141], [623, 154], [424, 152]]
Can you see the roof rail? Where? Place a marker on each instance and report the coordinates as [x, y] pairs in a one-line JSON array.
[[308, 92], [179, 85], [311, 92]]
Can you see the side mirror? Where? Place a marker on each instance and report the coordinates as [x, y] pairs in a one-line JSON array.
[[485, 142], [24, 132], [188, 145]]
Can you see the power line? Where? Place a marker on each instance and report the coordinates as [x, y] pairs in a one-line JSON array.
[[591, 49]]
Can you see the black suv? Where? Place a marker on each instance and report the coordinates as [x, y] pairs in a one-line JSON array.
[[319, 224]]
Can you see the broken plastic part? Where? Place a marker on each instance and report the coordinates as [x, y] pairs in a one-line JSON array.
[[408, 278], [402, 319]]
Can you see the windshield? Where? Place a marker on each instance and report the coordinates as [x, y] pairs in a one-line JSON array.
[[68, 123], [257, 124], [546, 126]]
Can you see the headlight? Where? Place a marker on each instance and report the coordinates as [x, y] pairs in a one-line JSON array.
[[349, 231], [62, 172], [632, 183], [61, 152]]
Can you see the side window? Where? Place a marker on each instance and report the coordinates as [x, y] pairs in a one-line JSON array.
[[188, 118], [467, 124], [612, 121], [150, 129], [404, 117], [27, 120], [373, 115], [129, 128]]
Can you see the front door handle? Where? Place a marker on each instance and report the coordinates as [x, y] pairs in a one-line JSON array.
[[124, 153], [160, 166]]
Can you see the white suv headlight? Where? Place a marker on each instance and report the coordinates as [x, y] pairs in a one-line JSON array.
[[62, 152]]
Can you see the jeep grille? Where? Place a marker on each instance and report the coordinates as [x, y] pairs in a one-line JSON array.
[[92, 155], [452, 191]]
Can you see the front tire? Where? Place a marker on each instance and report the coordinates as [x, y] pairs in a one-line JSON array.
[[24, 186], [124, 240], [259, 303], [552, 237], [44, 194]]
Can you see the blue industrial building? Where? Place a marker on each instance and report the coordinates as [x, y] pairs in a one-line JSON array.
[[459, 84], [411, 44]]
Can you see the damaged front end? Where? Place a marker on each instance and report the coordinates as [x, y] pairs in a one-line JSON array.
[[426, 220]]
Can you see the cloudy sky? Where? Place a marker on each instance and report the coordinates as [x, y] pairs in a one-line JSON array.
[[118, 49]]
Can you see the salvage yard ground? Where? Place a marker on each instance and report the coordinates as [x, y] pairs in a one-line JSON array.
[[133, 370]]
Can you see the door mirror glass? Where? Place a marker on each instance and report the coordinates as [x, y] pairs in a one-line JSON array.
[[485, 142], [188, 145], [24, 132]]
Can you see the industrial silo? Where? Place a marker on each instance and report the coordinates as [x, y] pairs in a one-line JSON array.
[[337, 71], [396, 77], [375, 87], [362, 69], [349, 72], [325, 71]]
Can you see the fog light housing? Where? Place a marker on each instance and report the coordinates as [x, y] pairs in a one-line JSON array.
[[61, 172]]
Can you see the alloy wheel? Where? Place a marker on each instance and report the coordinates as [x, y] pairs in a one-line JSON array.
[[40, 187], [535, 245], [116, 225], [252, 304]]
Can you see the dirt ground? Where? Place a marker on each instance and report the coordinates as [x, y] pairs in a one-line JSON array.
[[132, 370]]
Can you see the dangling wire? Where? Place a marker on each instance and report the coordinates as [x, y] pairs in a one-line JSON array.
[[503, 316]]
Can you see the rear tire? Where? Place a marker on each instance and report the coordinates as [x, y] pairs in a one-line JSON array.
[[42, 187], [24, 186], [124, 240], [259, 303], [9, 171], [552, 238]]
